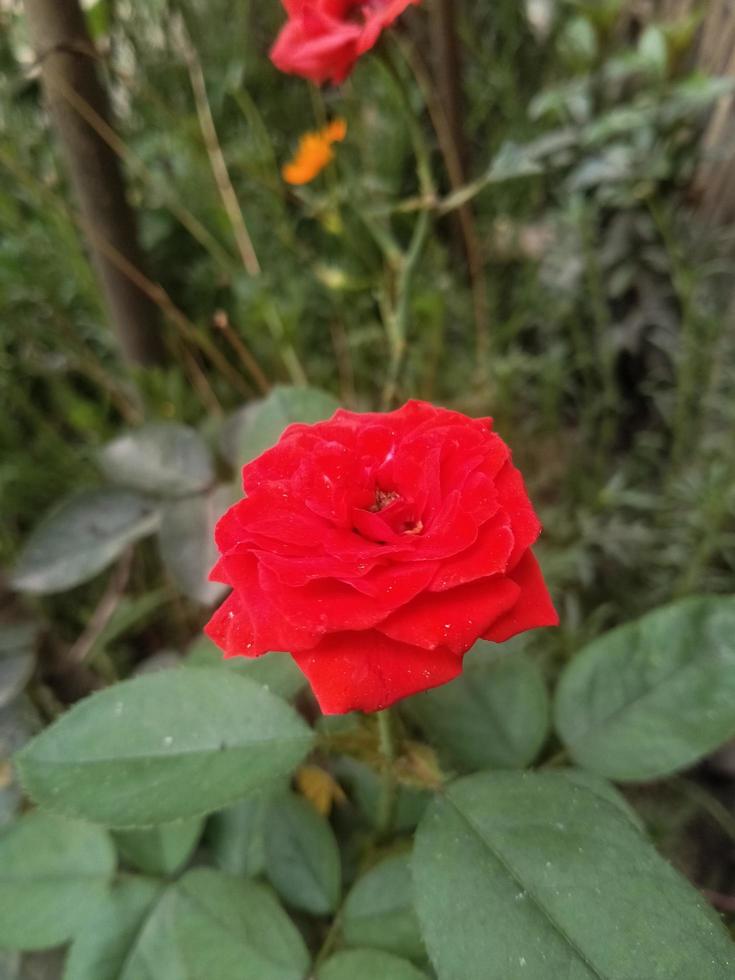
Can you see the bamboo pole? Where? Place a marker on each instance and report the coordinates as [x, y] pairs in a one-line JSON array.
[[714, 54], [68, 65]]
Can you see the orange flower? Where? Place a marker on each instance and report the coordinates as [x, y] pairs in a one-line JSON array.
[[314, 153]]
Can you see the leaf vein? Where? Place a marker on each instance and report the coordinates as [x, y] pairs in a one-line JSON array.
[[536, 901]]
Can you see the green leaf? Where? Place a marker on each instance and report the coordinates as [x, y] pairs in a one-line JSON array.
[[163, 747], [578, 43], [163, 458], [261, 424], [606, 791], [379, 910], [368, 964], [653, 696], [654, 50], [302, 857], [53, 874], [82, 536], [495, 715], [209, 926], [186, 542], [276, 672], [17, 658], [101, 949], [527, 875], [161, 850], [236, 836]]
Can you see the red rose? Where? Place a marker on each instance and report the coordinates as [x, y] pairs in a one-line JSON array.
[[377, 548], [323, 39]]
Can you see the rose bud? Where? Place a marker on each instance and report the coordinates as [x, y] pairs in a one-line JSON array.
[[322, 39]]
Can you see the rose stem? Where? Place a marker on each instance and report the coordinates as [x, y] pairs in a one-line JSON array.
[[387, 800]]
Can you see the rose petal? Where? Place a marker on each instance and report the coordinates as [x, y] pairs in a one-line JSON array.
[[347, 544], [497, 455], [403, 419], [394, 583], [230, 628], [271, 631], [452, 619], [271, 512], [328, 605], [489, 555], [382, 17], [451, 531], [331, 482], [276, 464], [368, 672], [299, 570], [412, 469], [463, 450], [219, 573], [319, 51], [479, 497], [513, 498], [372, 526], [534, 607]]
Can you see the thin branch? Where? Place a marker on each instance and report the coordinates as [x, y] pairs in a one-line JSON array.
[[185, 217], [343, 357], [88, 363], [159, 296], [725, 903], [329, 943], [222, 323], [153, 290], [58, 29], [388, 784], [455, 171], [214, 152], [716, 810], [398, 318], [80, 650], [396, 314], [200, 382]]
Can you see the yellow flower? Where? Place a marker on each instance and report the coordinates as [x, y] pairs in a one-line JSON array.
[[314, 153]]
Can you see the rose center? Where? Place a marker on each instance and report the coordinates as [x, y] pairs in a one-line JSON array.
[[413, 527], [383, 499], [397, 511]]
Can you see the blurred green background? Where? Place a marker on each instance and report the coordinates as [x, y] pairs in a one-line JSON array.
[[579, 291], [595, 327]]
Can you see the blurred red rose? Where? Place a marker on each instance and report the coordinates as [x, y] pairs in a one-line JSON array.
[[376, 549], [323, 39]]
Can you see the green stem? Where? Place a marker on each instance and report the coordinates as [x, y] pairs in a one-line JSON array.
[[397, 319], [398, 316], [421, 150], [388, 788], [687, 401], [560, 758], [604, 417], [330, 940]]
